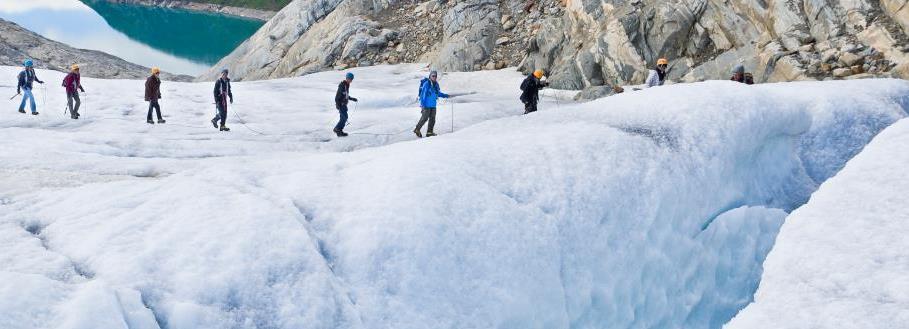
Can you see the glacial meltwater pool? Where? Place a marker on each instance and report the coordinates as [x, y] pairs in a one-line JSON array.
[[176, 40]]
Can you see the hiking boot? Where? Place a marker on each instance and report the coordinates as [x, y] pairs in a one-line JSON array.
[[341, 133], [430, 134], [22, 111], [35, 113], [224, 128], [160, 121], [417, 132], [214, 122], [151, 122]]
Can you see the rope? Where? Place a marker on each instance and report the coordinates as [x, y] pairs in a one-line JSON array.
[[243, 123]]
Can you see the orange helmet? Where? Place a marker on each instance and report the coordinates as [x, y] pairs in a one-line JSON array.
[[538, 74], [662, 61]]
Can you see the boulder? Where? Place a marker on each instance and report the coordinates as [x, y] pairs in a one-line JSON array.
[[850, 59], [596, 92], [842, 72]]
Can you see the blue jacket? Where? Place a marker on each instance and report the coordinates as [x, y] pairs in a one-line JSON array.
[[26, 78], [430, 93]]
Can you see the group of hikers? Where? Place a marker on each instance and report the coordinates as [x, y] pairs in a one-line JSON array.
[[429, 94], [658, 74], [72, 83]]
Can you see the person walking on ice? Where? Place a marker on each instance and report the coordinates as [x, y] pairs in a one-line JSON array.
[[222, 93], [530, 91], [73, 85], [657, 76], [429, 96], [26, 78], [153, 94], [341, 99]]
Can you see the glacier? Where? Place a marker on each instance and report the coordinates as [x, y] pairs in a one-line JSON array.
[[840, 260], [649, 209]]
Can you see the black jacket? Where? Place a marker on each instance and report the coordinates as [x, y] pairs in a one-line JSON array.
[[343, 95], [26, 78], [222, 89], [746, 78], [531, 89]]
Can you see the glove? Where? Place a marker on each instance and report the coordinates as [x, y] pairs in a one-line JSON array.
[[354, 99], [231, 100]]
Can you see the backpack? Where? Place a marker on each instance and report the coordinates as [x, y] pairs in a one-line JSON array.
[[420, 91]]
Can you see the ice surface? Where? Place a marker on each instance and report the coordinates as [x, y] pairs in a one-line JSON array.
[[648, 209], [840, 261]]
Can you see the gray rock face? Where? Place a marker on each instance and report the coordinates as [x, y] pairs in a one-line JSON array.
[[777, 40], [18, 44], [314, 35], [470, 30], [586, 43]]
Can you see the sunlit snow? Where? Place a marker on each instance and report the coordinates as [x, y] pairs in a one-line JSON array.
[[650, 209]]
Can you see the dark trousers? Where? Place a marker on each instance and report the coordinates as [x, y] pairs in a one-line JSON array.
[[157, 107], [342, 111], [530, 107], [70, 97], [428, 114], [222, 112]]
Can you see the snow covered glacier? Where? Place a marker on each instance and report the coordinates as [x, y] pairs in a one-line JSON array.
[[840, 261], [650, 209]]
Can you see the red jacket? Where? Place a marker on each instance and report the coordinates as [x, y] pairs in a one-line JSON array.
[[71, 82]]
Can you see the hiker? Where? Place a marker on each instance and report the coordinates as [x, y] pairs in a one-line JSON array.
[[222, 93], [73, 85], [739, 75], [153, 94], [429, 95], [26, 78], [530, 88], [658, 75], [341, 99]]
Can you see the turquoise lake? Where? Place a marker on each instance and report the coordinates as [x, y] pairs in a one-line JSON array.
[[176, 40]]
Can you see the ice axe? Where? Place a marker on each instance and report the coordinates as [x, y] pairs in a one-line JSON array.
[[14, 96]]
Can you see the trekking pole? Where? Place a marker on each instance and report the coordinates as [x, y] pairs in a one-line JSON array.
[[452, 115], [14, 96]]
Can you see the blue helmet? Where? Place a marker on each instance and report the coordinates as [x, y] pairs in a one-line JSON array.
[[349, 76], [28, 63]]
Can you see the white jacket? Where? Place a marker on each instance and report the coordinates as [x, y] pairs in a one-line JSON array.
[[653, 79]]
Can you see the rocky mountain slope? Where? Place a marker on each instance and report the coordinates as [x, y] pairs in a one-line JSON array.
[[587, 43], [17, 44]]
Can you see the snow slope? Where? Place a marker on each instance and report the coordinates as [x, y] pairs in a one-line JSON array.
[[648, 209], [840, 261]]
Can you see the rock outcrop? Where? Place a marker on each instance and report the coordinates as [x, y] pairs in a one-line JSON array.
[[17, 44], [314, 35], [587, 43], [600, 42]]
